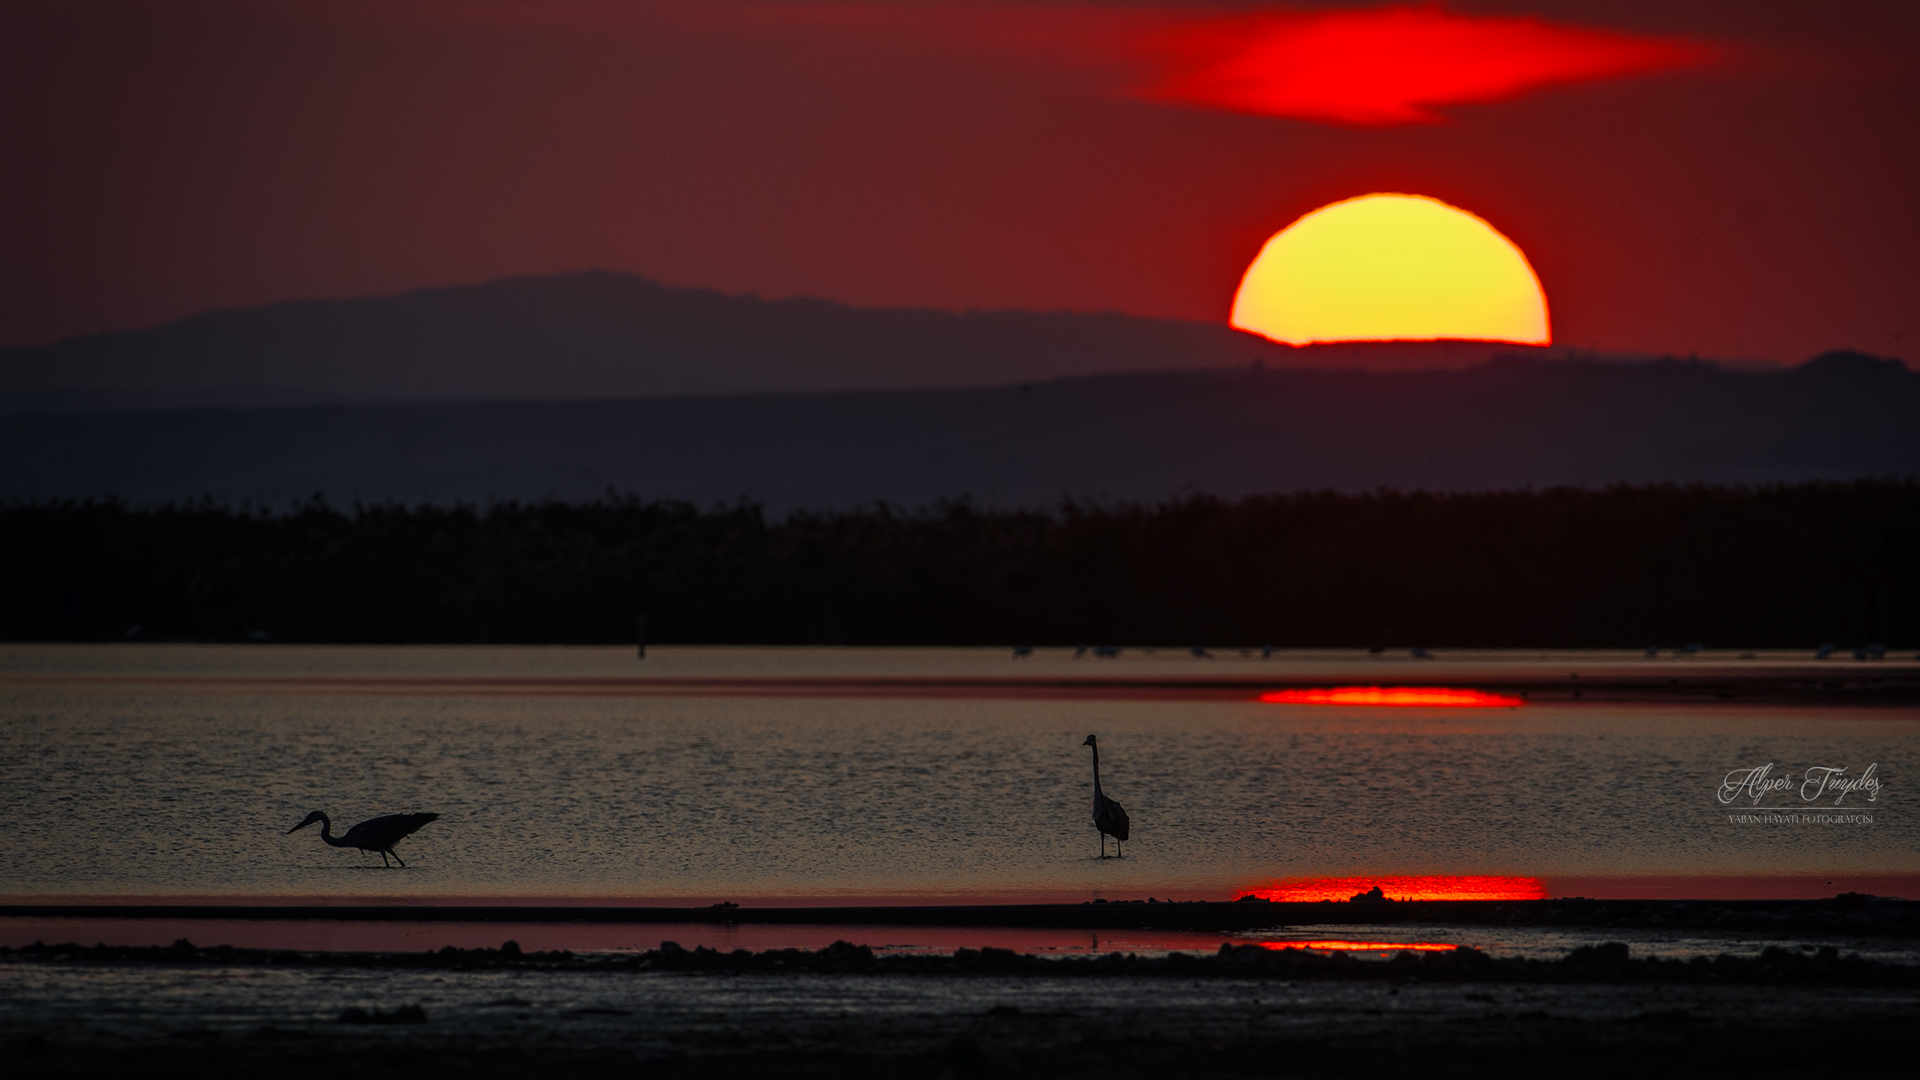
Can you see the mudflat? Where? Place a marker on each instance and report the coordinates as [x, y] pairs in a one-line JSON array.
[[845, 1011]]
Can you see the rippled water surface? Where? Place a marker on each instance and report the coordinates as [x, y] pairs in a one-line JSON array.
[[159, 770]]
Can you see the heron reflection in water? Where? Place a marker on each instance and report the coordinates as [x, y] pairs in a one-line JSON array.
[[1108, 816], [376, 834]]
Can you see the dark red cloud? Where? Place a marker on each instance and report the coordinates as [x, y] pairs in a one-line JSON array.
[[1391, 65], [1373, 66]]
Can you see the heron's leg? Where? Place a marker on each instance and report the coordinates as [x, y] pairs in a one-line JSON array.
[[397, 858], [383, 860]]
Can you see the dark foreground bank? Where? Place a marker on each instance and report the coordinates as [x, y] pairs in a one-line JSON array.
[[1610, 963], [843, 1011], [1787, 566], [1853, 914]]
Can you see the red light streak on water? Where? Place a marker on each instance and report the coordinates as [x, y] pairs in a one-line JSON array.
[[1361, 946], [1423, 887], [1417, 696]]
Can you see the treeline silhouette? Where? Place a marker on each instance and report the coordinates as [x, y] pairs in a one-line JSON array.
[[1780, 566]]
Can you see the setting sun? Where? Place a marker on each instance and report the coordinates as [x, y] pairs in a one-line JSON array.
[[1391, 268]]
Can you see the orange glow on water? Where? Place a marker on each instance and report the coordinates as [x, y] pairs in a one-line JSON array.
[[1391, 267], [1361, 946], [1428, 696], [1424, 887], [1389, 65]]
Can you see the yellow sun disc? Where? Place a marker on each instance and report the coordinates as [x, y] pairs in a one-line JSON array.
[[1391, 268]]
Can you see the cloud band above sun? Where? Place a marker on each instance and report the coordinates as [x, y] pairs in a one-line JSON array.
[[1389, 267], [1369, 67], [1386, 66]]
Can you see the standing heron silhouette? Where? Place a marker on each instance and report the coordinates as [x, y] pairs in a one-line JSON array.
[[375, 834], [1108, 816]]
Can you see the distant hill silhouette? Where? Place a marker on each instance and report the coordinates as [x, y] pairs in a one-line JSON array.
[[608, 335], [1140, 437]]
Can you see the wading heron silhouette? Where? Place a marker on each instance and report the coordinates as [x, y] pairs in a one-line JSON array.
[[376, 834], [1108, 816]]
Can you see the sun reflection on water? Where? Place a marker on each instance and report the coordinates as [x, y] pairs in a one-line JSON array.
[[1360, 946], [1420, 887], [1431, 696]]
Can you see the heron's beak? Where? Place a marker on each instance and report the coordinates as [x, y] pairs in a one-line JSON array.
[[300, 826]]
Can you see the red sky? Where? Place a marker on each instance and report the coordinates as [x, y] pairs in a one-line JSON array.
[[1752, 199]]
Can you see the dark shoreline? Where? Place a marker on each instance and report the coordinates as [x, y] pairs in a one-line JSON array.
[[1809, 683], [1799, 684], [1852, 914], [1610, 963]]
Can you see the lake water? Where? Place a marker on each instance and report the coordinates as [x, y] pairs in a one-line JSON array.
[[176, 771]]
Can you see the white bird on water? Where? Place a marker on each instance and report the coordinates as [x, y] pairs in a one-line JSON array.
[[1108, 816]]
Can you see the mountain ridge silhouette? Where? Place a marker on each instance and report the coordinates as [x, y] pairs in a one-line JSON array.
[[1136, 437], [603, 334]]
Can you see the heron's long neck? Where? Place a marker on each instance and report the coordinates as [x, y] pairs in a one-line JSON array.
[[1096, 768], [326, 832]]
